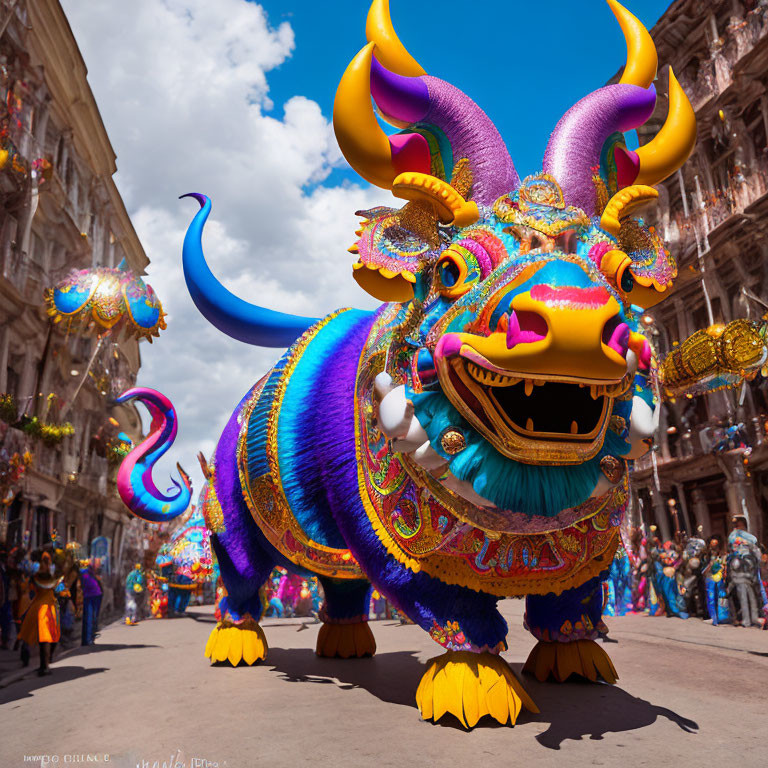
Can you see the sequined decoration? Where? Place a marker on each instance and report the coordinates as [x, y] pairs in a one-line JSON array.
[[720, 356]]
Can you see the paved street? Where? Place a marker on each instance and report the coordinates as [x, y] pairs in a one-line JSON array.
[[689, 693]]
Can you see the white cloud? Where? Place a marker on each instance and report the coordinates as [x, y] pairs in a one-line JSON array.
[[183, 90]]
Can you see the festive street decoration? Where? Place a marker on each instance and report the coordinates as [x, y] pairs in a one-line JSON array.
[[718, 357], [472, 438], [50, 433], [105, 302], [94, 301]]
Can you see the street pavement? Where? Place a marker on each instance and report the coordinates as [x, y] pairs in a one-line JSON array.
[[689, 694]]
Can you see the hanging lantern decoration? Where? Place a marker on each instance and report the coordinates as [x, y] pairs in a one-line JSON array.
[[106, 300], [710, 360]]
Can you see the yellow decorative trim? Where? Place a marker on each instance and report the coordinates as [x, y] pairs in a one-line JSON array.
[[451, 207], [624, 203]]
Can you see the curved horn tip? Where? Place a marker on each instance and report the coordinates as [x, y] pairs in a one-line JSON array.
[[199, 196], [362, 141], [389, 49], [674, 142], [642, 59]]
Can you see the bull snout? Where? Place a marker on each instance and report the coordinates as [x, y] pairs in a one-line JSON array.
[[557, 332]]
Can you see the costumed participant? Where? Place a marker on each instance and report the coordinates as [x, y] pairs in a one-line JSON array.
[[654, 604], [619, 584], [272, 605], [157, 583], [666, 562], [135, 596], [470, 439], [41, 620], [20, 591], [717, 594], [6, 611], [692, 584], [745, 590], [288, 593], [92, 595]]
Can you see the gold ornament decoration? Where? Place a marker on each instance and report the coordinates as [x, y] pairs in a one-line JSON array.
[[612, 468], [453, 441]]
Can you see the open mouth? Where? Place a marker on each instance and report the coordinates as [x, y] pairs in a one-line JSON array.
[[536, 421]]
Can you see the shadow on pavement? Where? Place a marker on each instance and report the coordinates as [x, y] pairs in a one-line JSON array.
[[391, 677], [206, 618], [26, 687], [573, 710], [578, 709], [99, 647]]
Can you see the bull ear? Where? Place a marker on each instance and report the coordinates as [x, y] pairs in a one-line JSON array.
[[642, 268], [392, 248]]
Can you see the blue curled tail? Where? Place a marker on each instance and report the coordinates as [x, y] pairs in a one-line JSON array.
[[231, 315]]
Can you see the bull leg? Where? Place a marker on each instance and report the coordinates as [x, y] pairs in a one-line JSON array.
[[345, 632], [470, 680], [238, 635], [566, 626]]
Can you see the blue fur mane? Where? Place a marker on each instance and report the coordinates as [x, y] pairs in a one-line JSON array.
[[510, 485]]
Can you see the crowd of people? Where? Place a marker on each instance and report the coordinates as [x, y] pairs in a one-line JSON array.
[[46, 595], [724, 581]]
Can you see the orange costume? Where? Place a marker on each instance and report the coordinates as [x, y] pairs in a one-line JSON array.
[[41, 623]]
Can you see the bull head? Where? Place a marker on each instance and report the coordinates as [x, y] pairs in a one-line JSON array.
[[520, 377], [523, 297]]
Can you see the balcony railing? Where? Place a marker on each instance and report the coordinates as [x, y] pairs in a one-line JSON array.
[[717, 206], [716, 73], [25, 275]]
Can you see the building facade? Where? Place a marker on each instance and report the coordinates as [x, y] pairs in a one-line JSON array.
[[713, 215], [59, 210]]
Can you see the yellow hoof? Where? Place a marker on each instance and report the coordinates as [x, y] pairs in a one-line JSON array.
[[228, 642], [470, 686], [561, 660], [345, 641]]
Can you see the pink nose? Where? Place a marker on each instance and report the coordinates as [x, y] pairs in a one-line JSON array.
[[616, 336]]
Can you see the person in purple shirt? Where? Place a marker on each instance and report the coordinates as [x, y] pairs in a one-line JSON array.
[[92, 593]]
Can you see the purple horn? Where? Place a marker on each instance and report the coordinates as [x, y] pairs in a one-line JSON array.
[[577, 141], [404, 101]]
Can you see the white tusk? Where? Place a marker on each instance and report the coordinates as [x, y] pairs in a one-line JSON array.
[[426, 456], [395, 413]]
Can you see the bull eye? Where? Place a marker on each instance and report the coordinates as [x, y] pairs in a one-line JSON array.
[[449, 274], [456, 271], [627, 282]]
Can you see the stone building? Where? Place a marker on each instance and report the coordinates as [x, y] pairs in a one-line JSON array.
[[59, 210], [714, 216]]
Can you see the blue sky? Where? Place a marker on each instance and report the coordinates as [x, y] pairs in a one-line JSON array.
[[523, 63]]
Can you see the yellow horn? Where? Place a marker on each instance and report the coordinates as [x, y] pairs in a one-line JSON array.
[[673, 144], [642, 60], [622, 204], [360, 137], [389, 50]]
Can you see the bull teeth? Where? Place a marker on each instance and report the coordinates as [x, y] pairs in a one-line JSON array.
[[529, 425], [574, 428], [503, 325], [594, 391], [490, 378], [539, 382], [528, 387]]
